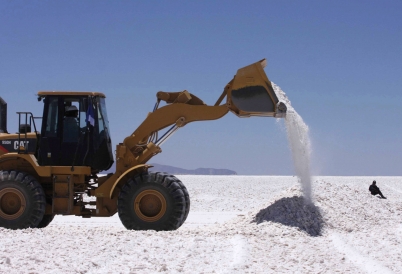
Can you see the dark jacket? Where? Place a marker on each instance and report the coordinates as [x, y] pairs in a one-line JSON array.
[[374, 189]]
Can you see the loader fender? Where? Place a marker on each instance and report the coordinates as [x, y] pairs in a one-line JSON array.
[[125, 175], [28, 163], [23, 162]]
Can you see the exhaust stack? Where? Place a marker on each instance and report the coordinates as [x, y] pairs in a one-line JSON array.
[[3, 116]]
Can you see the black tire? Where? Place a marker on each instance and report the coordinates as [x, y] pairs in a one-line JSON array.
[[186, 195], [154, 201], [46, 220], [22, 200]]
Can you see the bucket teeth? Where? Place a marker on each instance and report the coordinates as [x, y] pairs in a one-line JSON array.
[[280, 110]]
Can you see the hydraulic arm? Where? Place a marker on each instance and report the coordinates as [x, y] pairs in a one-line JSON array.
[[249, 93]]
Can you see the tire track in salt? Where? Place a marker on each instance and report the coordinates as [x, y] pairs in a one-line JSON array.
[[368, 265], [240, 251], [399, 231]]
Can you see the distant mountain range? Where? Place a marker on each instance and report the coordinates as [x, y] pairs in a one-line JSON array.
[[198, 171]]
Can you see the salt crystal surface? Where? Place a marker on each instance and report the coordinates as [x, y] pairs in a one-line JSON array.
[[273, 230], [299, 142]]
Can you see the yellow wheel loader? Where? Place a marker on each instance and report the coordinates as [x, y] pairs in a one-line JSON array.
[[55, 170]]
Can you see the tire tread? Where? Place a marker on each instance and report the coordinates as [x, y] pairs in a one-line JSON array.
[[35, 193], [176, 190]]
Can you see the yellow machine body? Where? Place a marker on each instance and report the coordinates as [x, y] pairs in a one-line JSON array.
[[249, 93]]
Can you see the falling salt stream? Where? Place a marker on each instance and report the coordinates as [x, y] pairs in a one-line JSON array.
[[299, 143]]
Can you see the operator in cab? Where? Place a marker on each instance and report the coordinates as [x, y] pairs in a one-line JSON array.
[[70, 126]]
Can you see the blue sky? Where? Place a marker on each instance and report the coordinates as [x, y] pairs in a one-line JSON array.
[[338, 61]]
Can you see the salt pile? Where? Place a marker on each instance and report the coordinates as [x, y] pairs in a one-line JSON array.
[[293, 212], [299, 142]]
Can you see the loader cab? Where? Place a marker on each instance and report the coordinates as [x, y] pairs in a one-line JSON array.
[[75, 130]]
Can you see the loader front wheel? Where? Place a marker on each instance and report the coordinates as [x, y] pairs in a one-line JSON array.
[[152, 201], [22, 200], [150, 205]]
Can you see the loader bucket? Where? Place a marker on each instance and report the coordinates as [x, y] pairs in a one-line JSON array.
[[251, 93]]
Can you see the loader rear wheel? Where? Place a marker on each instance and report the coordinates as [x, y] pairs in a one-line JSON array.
[[22, 200], [46, 220], [154, 201]]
